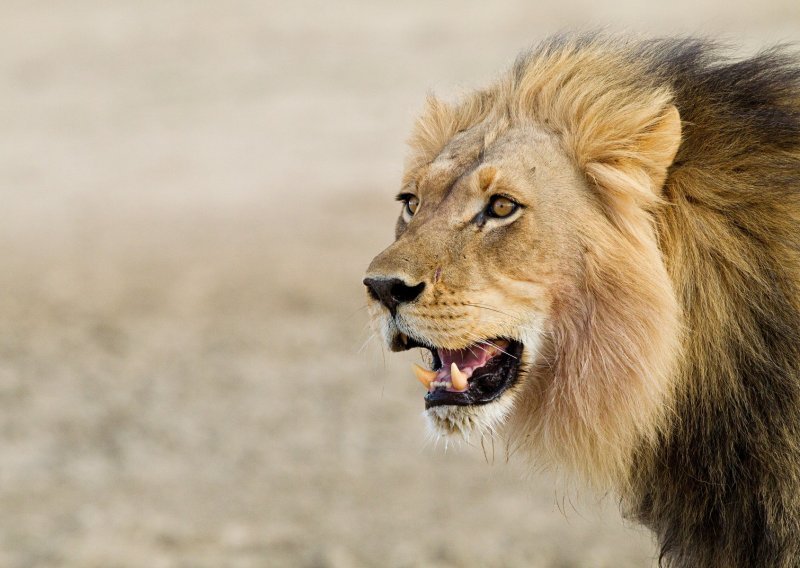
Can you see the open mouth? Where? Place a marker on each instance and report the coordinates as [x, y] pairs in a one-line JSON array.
[[477, 374]]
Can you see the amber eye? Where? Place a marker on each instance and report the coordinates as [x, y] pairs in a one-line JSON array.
[[412, 202], [501, 207]]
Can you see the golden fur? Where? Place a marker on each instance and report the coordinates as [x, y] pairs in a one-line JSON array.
[[652, 276]]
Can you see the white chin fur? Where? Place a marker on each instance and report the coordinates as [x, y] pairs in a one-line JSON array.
[[461, 421]]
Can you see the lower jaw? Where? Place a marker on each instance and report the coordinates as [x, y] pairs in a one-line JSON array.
[[464, 421]]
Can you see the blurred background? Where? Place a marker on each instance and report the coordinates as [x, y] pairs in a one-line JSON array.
[[189, 195]]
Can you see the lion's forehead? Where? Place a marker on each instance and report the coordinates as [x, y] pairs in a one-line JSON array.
[[516, 152], [460, 155]]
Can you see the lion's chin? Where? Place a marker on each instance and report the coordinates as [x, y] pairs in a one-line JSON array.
[[463, 422]]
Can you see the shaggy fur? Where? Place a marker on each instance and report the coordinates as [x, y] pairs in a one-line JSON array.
[[668, 369]]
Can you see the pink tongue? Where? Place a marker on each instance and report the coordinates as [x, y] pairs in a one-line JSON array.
[[470, 357]]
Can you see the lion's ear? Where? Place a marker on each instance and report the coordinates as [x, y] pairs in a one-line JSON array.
[[630, 167], [658, 145]]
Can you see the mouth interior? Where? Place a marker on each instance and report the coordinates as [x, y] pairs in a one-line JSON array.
[[484, 371]]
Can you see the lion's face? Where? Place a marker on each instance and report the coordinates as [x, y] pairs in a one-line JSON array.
[[528, 261], [489, 238]]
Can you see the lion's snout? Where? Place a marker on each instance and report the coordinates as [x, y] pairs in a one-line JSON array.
[[392, 292]]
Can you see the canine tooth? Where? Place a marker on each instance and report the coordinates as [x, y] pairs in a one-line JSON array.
[[424, 375], [404, 339], [458, 378]]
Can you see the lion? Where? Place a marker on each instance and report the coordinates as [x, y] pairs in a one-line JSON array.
[[600, 252]]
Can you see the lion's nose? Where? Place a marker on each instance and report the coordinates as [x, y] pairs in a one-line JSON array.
[[391, 292]]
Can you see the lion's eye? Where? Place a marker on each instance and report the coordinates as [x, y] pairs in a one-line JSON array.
[[412, 202], [501, 207]]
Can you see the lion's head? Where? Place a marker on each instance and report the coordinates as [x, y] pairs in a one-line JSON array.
[[600, 251], [527, 262]]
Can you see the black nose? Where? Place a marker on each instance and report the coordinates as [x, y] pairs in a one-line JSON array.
[[391, 292]]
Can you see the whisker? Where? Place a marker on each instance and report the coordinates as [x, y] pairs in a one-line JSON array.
[[478, 340], [383, 380], [479, 346], [488, 343], [491, 309], [497, 347], [370, 338], [354, 312]]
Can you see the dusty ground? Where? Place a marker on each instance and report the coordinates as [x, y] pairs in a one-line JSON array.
[[190, 194]]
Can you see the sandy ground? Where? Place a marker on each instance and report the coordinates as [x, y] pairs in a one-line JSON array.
[[190, 194]]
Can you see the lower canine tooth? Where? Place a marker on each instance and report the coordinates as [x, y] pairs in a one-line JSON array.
[[458, 378], [424, 375]]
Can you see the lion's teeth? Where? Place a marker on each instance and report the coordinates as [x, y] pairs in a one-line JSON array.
[[424, 375], [458, 378]]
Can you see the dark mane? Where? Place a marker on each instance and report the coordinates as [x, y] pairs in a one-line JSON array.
[[724, 487]]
